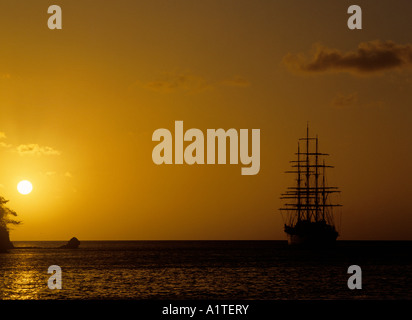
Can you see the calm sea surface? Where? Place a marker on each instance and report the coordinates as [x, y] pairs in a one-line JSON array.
[[263, 270]]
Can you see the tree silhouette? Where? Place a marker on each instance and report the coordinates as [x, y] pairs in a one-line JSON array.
[[6, 219]]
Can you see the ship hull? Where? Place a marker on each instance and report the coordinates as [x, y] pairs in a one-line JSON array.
[[299, 240], [311, 234]]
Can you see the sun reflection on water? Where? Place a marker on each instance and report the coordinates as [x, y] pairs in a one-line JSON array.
[[20, 279], [199, 270]]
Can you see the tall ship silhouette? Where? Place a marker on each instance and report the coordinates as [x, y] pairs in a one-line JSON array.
[[309, 211]]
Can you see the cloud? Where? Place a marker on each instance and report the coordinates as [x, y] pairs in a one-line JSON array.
[[172, 82], [56, 174], [30, 149], [370, 58], [35, 149], [236, 81], [3, 144], [345, 100]]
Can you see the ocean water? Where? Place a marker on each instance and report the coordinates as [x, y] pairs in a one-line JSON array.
[[237, 270]]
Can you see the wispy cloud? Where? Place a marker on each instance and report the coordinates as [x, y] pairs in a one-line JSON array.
[[345, 100], [369, 58], [2, 143], [5, 145], [34, 149], [170, 82], [53, 174], [351, 100], [236, 81]]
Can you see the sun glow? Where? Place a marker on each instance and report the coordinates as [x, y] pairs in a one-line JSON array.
[[24, 187]]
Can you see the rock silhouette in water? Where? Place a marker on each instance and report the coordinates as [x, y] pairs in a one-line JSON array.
[[72, 244]]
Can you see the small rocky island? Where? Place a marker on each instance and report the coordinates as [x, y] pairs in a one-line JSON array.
[[72, 244]]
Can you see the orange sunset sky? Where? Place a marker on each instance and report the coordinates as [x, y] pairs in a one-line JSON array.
[[78, 107]]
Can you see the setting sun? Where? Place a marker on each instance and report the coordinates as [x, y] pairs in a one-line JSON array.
[[24, 187]]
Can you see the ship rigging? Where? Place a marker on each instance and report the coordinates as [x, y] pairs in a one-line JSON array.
[[309, 211]]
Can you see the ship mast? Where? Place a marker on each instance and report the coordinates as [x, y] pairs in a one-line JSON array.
[[316, 181], [323, 193], [307, 174], [299, 180], [310, 202]]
